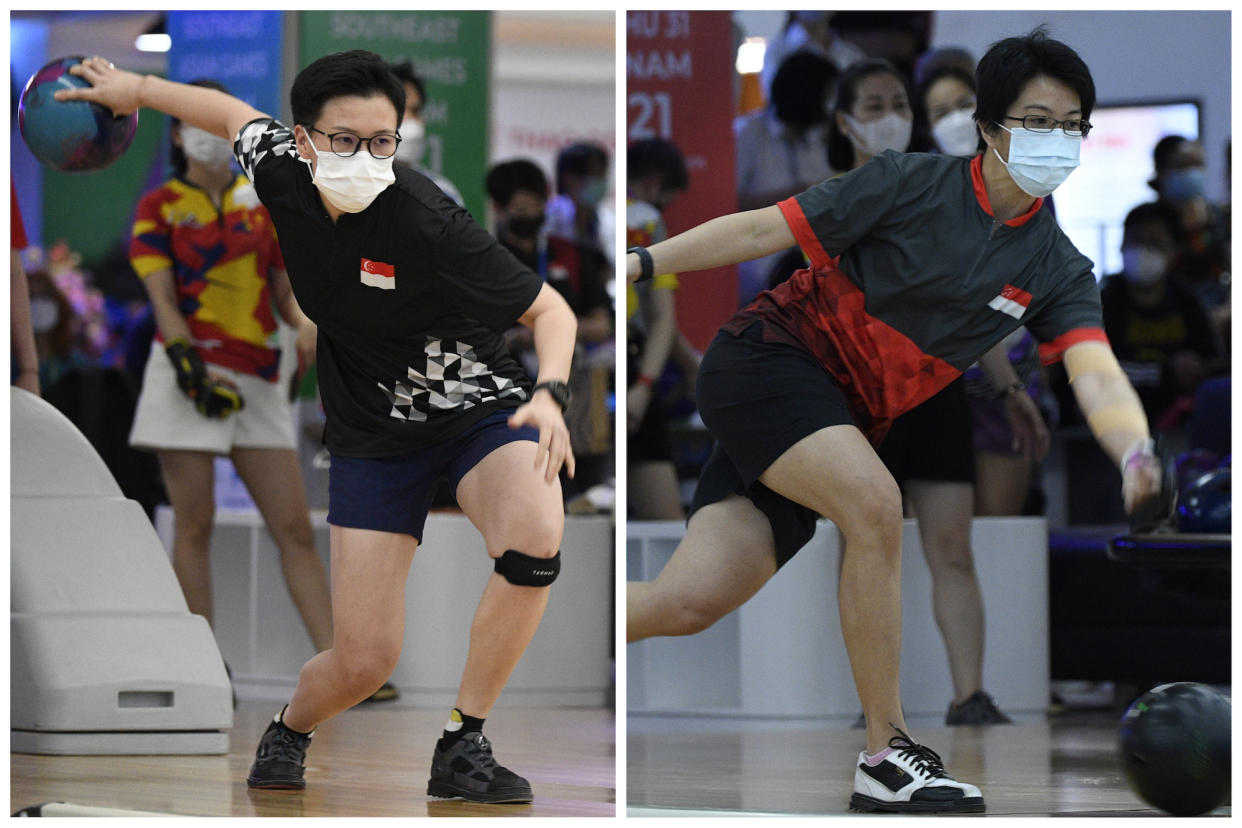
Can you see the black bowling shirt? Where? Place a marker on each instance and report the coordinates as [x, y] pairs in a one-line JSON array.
[[410, 295]]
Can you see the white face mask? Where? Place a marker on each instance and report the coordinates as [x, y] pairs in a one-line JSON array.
[[1040, 161], [350, 184], [890, 132], [413, 142], [955, 133], [207, 149], [44, 314], [1143, 266]]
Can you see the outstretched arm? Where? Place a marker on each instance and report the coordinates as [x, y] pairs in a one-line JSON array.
[[1116, 418], [738, 237], [125, 92]]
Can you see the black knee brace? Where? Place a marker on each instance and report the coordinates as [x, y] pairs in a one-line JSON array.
[[523, 570]]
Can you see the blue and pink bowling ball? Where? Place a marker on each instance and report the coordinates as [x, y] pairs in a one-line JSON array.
[[1206, 504], [70, 136]]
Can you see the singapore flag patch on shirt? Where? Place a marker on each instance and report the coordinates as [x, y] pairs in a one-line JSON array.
[[377, 274], [1013, 301]]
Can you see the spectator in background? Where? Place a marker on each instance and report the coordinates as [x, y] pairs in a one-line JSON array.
[[946, 102], [808, 30], [519, 193], [655, 175], [782, 150], [207, 254], [1181, 182], [1157, 326], [52, 323], [413, 131], [24, 360], [872, 114], [581, 184], [1003, 463]]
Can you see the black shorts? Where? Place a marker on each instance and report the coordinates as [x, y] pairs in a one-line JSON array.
[[758, 399], [933, 441], [650, 442]]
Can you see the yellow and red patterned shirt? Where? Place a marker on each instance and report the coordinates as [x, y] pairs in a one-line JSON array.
[[221, 260]]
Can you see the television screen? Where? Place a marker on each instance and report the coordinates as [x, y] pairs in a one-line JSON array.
[[1115, 168]]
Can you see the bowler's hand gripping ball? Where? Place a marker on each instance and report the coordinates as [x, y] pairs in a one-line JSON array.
[[70, 136]]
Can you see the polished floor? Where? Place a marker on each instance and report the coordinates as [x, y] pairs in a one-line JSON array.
[[369, 761], [1064, 766]]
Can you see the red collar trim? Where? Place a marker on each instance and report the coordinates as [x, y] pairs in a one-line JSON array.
[[981, 193]]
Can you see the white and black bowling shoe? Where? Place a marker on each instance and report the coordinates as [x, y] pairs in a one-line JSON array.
[[910, 778]]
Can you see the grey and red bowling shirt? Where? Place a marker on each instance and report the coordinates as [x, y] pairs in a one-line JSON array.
[[912, 279]]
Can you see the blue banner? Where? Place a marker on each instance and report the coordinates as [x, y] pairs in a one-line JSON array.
[[240, 49]]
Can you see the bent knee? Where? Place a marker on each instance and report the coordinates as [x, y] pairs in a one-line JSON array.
[[363, 670], [538, 537], [521, 569], [875, 513]]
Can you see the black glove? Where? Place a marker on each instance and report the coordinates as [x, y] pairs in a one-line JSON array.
[[191, 372], [211, 399], [217, 401]]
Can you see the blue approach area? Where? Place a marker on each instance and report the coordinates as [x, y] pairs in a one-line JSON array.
[[71, 136]]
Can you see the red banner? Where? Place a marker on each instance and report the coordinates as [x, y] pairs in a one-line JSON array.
[[679, 85]]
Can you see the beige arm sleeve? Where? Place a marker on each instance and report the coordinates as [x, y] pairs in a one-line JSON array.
[[1106, 397]]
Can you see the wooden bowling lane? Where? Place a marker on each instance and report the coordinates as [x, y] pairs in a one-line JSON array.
[[1032, 768], [369, 761]]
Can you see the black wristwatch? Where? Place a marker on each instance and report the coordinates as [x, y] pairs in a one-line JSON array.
[[558, 390]]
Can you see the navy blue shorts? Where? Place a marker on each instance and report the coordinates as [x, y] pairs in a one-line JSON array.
[[393, 494]]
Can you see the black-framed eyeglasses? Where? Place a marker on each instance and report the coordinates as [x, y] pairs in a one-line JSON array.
[[1042, 123], [346, 144]]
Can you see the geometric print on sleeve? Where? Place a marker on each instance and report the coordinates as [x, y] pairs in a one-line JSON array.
[[451, 378]]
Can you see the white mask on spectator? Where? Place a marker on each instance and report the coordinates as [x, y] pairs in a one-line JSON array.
[[890, 132], [207, 149], [955, 133], [44, 314], [413, 142], [1143, 265]]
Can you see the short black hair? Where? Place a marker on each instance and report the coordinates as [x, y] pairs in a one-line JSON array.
[[1011, 63], [840, 148], [1165, 149], [578, 159], [406, 74], [508, 178], [660, 156], [176, 155], [1156, 211], [799, 87], [357, 72]]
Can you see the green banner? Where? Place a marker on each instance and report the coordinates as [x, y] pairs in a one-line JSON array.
[[452, 52]]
